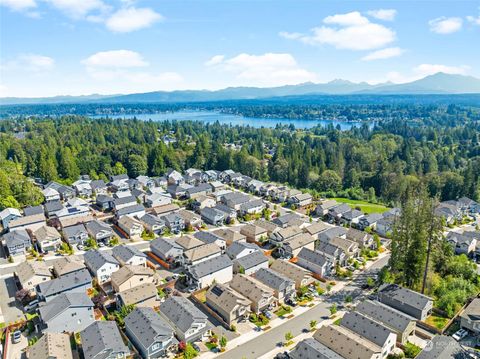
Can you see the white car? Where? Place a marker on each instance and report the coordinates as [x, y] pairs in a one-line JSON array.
[[31, 306], [460, 334]]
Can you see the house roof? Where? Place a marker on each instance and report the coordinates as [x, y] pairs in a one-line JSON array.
[[65, 282], [344, 244], [45, 233], [160, 210], [251, 260], [289, 232], [129, 222], [313, 257], [290, 270], [357, 236], [152, 220], [148, 326], [443, 347], [189, 242], [317, 227], [62, 302], [354, 213], [238, 247], [273, 279], [286, 219], [94, 227], [188, 215], [25, 221], [269, 226], [250, 287], [95, 259], [138, 294], [53, 206], [102, 336], [67, 265], [472, 311], [405, 296], [252, 230], [182, 312], [210, 266], [28, 269], [207, 237], [130, 209], [367, 328], [328, 249], [51, 345], [9, 212], [385, 314], [125, 253], [252, 205], [103, 198], [210, 212], [74, 230], [299, 241], [200, 252], [16, 237], [96, 184], [125, 273], [310, 348], [31, 210], [229, 235], [327, 204], [164, 245], [225, 297]]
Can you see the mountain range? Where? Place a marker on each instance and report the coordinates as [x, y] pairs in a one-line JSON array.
[[439, 83]]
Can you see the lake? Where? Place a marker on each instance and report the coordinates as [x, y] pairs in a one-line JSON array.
[[230, 119]]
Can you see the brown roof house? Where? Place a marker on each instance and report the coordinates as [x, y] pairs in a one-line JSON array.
[[228, 303]]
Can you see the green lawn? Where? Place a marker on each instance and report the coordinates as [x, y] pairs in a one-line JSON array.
[[437, 321], [365, 207]]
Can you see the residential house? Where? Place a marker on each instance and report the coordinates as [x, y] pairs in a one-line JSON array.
[[145, 181], [300, 200], [32, 222], [229, 236], [408, 301], [188, 242], [371, 330], [189, 323], [350, 248], [333, 253], [462, 244], [174, 177], [251, 263], [101, 264], [17, 242], [104, 202], [31, 273], [202, 202], [281, 235], [285, 195], [336, 213], [369, 221], [51, 346], [384, 226], [230, 214], [151, 335], [163, 210], [129, 255], [300, 276], [398, 322], [351, 217], [67, 312], [120, 185], [363, 239], [210, 237], [7, 215], [65, 192], [255, 186], [66, 265], [442, 347], [132, 227], [98, 187], [152, 224], [254, 233], [102, 340], [217, 269], [346, 343], [284, 287], [50, 194], [99, 231], [261, 296], [75, 235], [122, 202], [76, 282], [158, 199], [212, 216], [252, 207], [202, 189], [470, 317], [468, 206], [32, 210], [322, 209], [316, 228], [217, 186], [190, 219], [131, 211], [174, 222], [212, 174], [315, 262], [130, 276], [235, 199], [311, 348], [82, 188], [289, 220], [229, 304], [267, 225], [47, 238], [167, 250], [202, 253], [178, 191], [294, 245], [142, 295], [241, 249], [449, 212]]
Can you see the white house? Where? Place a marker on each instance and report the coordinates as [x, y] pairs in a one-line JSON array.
[[101, 264]]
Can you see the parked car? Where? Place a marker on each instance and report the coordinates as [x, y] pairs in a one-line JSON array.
[[460, 334], [268, 314], [291, 301], [16, 336], [31, 306]]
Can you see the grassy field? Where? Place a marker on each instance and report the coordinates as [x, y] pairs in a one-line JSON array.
[[364, 206]]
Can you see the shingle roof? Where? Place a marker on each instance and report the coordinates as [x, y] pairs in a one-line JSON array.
[[273, 279], [251, 260], [310, 348], [138, 294], [210, 266], [30, 211], [51, 345], [125, 273], [95, 259], [443, 347], [200, 252], [313, 257], [207, 237], [189, 242], [389, 316], [250, 287], [148, 326], [130, 209], [67, 265], [225, 297], [16, 237], [73, 231], [182, 312], [238, 247], [65, 282], [163, 245], [62, 302], [100, 336], [229, 235], [46, 233], [366, 327], [125, 253], [27, 269], [405, 296], [94, 227]]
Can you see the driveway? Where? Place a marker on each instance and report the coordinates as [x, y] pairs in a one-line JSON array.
[[11, 310], [16, 351]]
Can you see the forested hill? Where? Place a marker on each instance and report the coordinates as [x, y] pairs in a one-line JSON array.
[[364, 163]]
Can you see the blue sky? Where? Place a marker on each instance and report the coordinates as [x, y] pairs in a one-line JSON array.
[[73, 47]]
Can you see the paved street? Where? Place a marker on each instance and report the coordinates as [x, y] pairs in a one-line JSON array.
[[267, 341]]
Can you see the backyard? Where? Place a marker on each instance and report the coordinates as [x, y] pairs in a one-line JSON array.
[[364, 206]]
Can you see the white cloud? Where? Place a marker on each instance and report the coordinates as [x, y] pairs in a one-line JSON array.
[[19, 5], [79, 9], [270, 69], [382, 54], [474, 20], [351, 31], [445, 25], [131, 19], [430, 69], [115, 59], [30, 62], [383, 14]]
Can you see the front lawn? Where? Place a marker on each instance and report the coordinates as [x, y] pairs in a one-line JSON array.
[[365, 207], [284, 310]]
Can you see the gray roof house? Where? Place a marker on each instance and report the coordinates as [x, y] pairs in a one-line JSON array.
[[210, 237], [99, 231], [228, 303], [102, 340], [315, 262], [408, 301], [470, 317], [67, 312], [129, 255], [212, 216], [65, 265], [310, 348], [51, 346], [17, 242], [75, 282], [400, 323], [136, 210], [240, 249], [443, 347], [101, 263], [151, 335], [7, 215], [250, 263], [152, 224], [76, 234], [283, 287], [218, 269], [104, 202], [166, 249], [174, 222], [189, 323]]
